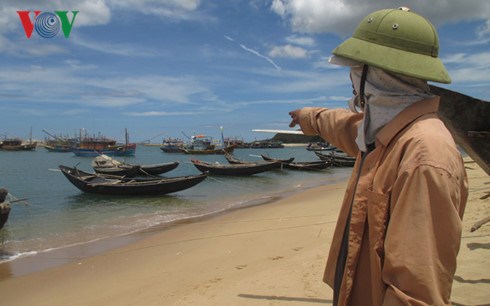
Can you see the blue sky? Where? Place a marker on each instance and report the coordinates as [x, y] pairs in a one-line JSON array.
[[160, 68]]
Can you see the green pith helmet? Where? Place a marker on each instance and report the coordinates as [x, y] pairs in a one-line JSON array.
[[399, 41]]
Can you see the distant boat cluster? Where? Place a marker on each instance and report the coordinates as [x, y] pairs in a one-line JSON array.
[[92, 146], [202, 144], [84, 145]]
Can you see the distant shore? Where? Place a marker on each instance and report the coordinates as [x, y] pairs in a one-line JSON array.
[[272, 254]]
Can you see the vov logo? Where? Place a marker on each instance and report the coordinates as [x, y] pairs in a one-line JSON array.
[[47, 24]]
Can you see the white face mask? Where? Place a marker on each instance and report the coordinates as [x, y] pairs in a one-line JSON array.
[[355, 77], [386, 95]]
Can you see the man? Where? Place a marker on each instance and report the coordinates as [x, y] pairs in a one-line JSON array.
[[398, 232]]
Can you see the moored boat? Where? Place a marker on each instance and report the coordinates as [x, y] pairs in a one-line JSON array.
[[60, 148], [228, 149], [267, 144], [59, 143], [4, 207], [156, 169], [112, 150], [104, 164], [308, 165], [234, 169], [302, 165], [319, 146], [107, 165], [205, 145], [16, 144], [114, 185], [270, 159], [172, 145], [233, 160], [95, 146], [337, 160]]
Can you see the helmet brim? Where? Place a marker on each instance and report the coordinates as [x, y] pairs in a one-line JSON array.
[[395, 60]]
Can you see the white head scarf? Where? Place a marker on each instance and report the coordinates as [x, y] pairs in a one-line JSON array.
[[386, 94]]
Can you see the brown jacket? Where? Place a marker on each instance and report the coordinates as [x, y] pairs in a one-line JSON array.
[[408, 199]]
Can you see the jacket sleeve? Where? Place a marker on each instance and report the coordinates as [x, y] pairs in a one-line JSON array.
[[337, 126], [423, 236]]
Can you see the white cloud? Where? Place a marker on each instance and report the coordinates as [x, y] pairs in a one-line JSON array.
[[23, 48], [279, 7], [337, 16], [168, 9], [64, 85], [288, 51], [160, 114], [77, 65], [484, 30], [301, 40], [305, 101], [91, 13], [453, 58], [469, 68], [113, 48]]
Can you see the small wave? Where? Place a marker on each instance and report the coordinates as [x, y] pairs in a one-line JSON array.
[[7, 256]]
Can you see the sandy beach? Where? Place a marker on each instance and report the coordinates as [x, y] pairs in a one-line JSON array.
[[272, 254]]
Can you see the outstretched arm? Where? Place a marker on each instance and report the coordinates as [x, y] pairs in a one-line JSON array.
[[337, 126]]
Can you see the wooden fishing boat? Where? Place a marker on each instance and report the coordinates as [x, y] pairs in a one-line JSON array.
[[95, 146], [270, 159], [234, 169], [120, 170], [172, 145], [4, 207], [302, 165], [205, 145], [308, 165], [104, 164], [318, 146], [337, 160], [4, 214], [60, 148], [467, 120], [114, 185], [228, 149], [107, 165], [267, 144], [156, 169], [16, 144], [59, 144], [233, 160]]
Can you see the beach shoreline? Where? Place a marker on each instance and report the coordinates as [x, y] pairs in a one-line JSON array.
[[19, 264], [270, 254]]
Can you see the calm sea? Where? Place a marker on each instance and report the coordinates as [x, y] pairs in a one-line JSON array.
[[58, 215]]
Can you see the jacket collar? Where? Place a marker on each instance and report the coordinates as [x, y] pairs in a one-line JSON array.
[[405, 117]]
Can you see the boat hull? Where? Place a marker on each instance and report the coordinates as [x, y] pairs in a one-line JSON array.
[[157, 169], [128, 187], [467, 120], [221, 151], [22, 147], [123, 170], [235, 169], [120, 151]]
